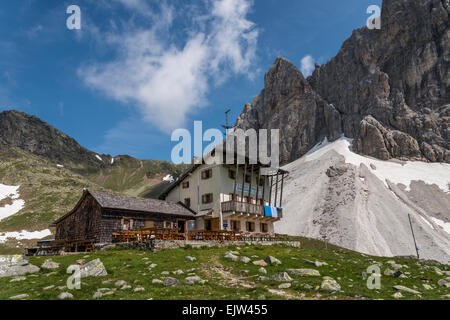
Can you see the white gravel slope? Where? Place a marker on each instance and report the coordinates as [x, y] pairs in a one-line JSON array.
[[366, 209]]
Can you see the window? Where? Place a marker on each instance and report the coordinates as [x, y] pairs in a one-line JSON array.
[[206, 174], [264, 228], [168, 224], [235, 226], [231, 197], [207, 198], [208, 225], [185, 185], [245, 199], [247, 178], [250, 226], [231, 174], [187, 202]]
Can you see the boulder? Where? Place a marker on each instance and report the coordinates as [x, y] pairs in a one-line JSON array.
[[157, 281], [282, 277], [406, 289], [244, 259], [192, 280], [50, 264], [262, 270], [171, 282], [316, 263], [190, 258], [230, 255], [444, 282], [304, 272], [65, 295], [272, 260], [19, 297], [94, 268], [120, 283], [260, 263], [329, 284], [15, 265], [286, 285]]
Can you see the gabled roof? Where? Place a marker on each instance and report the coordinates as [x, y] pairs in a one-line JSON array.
[[116, 201], [126, 203]]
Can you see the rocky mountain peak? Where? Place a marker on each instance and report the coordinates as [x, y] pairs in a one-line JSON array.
[[387, 89]]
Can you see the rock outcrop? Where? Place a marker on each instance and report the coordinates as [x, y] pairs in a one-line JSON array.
[[387, 89], [15, 265]]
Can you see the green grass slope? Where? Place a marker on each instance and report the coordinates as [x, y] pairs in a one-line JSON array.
[[49, 192], [134, 177], [226, 279]]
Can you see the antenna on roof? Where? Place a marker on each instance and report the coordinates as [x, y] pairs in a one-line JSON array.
[[226, 125]]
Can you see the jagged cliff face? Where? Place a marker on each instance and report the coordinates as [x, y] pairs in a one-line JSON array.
[[388, 89]]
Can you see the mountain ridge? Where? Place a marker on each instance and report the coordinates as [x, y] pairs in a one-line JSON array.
[[387, 89]]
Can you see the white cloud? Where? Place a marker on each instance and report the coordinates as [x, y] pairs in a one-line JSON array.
[[169, 81], [307, 65]]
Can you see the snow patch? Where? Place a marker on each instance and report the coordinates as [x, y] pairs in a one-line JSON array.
[[112, 160], [24, 235], [169, 178], [17, 204], [98, 157], [444, 225], [430, 173], [59, 166]]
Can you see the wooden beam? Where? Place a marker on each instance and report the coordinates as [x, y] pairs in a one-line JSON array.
[[235, 185], [276, 190], [270, 193], [281, 195], [250, 186], [243, 182], [257, 184]]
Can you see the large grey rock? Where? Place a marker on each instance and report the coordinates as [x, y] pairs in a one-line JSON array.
[[94, 268], [15, 265], [192, 280], [171, 282], [272, 260], [329, 284], [304, 272], [406, 289], [65, 295], [282, 277], [230, 255], [50, 264], [444, 282]]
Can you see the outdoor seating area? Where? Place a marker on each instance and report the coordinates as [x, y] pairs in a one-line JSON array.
[[199, 235], [54, 247]]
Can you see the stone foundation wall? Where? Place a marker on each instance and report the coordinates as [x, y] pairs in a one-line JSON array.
[[157, 245]]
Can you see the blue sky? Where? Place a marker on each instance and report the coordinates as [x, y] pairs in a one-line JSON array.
[[138, 69]]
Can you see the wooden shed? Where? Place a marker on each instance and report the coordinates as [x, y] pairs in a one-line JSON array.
[[97, 215]]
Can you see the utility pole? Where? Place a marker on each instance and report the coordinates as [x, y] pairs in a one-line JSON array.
[[414, 237]]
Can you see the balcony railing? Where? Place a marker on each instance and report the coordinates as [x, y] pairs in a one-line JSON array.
[[244, 207]]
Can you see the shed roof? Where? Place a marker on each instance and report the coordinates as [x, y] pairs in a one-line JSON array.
[[126, 203], [122, 202]]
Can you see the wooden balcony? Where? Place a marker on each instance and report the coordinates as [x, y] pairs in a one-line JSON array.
[[244, 207]]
